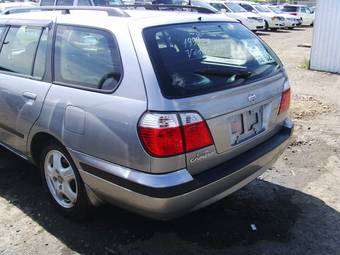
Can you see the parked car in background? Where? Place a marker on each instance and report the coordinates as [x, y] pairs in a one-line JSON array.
[[251, 20], [301, 11], [291, 21], [9, 5], [159, 112], [80, 2], [272, 20]]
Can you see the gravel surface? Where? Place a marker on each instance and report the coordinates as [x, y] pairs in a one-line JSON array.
[[294, 208]]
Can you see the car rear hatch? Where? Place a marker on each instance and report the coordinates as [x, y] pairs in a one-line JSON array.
[[224, 73]]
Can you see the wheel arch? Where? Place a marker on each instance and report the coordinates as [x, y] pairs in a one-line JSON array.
[[38, 141]]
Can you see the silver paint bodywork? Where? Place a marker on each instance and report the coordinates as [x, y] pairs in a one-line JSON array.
[[101, 128]]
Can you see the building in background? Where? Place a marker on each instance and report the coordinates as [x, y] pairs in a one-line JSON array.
[[325, 54]]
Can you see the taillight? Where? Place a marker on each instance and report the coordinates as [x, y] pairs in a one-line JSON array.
[[285, 101], [293, 13], [196, 132], [161, 134], [164, 135]]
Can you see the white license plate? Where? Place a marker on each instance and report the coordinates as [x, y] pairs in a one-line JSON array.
[[246, 125]]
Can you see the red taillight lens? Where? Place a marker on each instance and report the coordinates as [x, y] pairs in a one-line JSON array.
[[196, 132], [161, 142], [285, 101], [293, 13], [162, 135]]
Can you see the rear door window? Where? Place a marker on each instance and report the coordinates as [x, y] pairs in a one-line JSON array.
[[290, 9], [220, 7], [248, 7], [40, 58], [87, 57], [2, 29], [197, 58], [19, 48]]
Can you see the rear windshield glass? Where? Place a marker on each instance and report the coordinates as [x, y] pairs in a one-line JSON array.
[[261, 8], [235, 7], [275, 9], [198, 58], [290, 9]]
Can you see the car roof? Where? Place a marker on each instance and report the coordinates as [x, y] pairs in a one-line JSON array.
[[295, 5], [88, 17], [243, 2]]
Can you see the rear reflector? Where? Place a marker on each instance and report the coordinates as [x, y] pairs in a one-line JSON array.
[[285, 101], [163, 135]]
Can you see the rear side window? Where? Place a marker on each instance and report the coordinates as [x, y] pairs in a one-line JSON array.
[[87, 57], [197, 58], [290, 9], [47, 2], [107, 2], [248, 7], [84, 3], [19, 49], [65, 2], [220, 7]]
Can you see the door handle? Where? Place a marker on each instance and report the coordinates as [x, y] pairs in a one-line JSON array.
[[30, 95]]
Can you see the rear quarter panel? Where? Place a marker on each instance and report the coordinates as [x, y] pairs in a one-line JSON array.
[[103, 125]]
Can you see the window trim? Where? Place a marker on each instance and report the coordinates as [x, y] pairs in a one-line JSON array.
[[20, 75], [75, 86]]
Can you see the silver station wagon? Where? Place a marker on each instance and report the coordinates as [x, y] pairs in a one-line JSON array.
[[158, 112]]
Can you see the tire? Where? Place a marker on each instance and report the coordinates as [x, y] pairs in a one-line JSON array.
[[266, 26], [273, 29], [62, 181], [291, 28]]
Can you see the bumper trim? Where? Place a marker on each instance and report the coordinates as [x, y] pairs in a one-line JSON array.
[[189, 183]]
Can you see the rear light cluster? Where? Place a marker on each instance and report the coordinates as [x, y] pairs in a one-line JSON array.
[[169, 134], [285, 99]]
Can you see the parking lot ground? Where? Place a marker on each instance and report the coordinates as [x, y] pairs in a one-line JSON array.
[[294, 208]]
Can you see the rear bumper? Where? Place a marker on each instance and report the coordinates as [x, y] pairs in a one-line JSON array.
[[276, 24], [254, 25], [165, 196]]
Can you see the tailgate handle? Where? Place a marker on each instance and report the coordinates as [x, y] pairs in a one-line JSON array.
[[30, 95]]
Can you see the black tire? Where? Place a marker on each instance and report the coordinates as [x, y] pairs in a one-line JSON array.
[[273, 29], [82, 208], [266, 25], [291, 28]]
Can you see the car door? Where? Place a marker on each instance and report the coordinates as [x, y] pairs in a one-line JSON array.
[[22, 84], [305, 18], [310, 16]]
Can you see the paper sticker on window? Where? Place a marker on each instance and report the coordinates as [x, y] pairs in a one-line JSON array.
[[257, 50]]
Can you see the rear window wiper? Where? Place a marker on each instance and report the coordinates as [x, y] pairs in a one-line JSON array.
[[224, 73]]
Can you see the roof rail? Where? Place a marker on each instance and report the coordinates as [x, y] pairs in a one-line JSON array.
[[166, 7], [111, 11], [115, 10]]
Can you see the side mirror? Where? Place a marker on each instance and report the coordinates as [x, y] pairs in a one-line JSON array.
[[253, 11]]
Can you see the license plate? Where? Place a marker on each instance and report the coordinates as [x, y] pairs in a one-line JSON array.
[[246, 125]]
